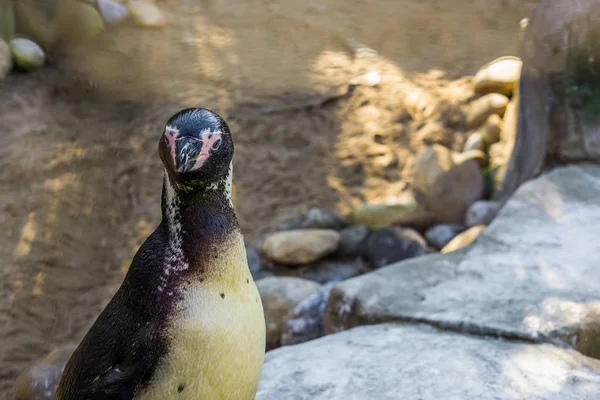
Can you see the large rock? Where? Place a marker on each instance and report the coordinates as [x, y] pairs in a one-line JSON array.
[[559, 109], [533, 274], [499, 76], [280, 295], [306, 321], [391, 362], [482, 108], [454, 191], [302, 246]]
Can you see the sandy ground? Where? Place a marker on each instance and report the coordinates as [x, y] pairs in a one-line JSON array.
[[79, 172]]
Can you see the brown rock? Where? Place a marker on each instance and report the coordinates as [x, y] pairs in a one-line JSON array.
[[499, 76], [301, 246], [280, 295], [454, 192], [482, 108], [464, 239], [379, 215], [490, 131], [476, 155], [431, 163]]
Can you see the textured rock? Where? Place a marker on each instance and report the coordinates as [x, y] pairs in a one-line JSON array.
[[27, 54], [315, 218], [39, 382], [532, 274], [481, 109], [380, 215], [5, 59], [482, 212], [389, 245], [429, 165], [464, 239], [454, 192], [301, 246], [306, 321], [391, 362], [352, 240], [499, 76], [147, 15], [439, 235], [280, 295]]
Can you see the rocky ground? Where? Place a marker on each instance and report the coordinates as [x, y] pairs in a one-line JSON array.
[[344, 166]]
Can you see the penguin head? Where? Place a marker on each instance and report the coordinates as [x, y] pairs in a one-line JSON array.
[[196, 147]]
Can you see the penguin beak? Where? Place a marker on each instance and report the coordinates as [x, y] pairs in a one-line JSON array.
[[188, 157]]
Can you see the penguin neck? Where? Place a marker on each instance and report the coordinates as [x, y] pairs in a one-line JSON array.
[[196, 221]]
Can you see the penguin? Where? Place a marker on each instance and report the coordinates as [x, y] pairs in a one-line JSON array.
[[187, 321]]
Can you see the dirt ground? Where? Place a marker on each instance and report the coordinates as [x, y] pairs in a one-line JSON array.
[[80, 174]]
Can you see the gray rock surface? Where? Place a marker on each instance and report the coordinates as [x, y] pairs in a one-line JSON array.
[[533, 274], [392, 362]]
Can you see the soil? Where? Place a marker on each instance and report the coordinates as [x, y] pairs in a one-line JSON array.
[[80, 173]]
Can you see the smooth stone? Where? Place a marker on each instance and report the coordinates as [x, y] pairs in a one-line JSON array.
[[5, 59], [352, 240], [389, 245], [147, 15], [429, 165], [323, 272], [482, 108], [302, 246], [420, 220], [499, 76], [440, 235], [39, 382], [411, 362], [454, 191], [78, 22], [315, 218], [379, 215], [27, 54], [474, 142], [482, 212], [490, 131], [532, 275], [464, 239], [476, 155], [306, 321], [280, 295], [112, 11]]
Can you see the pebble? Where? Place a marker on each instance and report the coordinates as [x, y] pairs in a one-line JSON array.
[[476, 155], [315, 218], [482, 108], [306, 321], [389, 245], [482, 212], [499, 76], [429, 165], [27, 54], [301, 246], [464, 239], [379, 215], [440, 235], [490, 131], [39, 382], [5, 59], [474, 142], [352, 240], [112, 11], [454, 192], [147, 15], [280, 296]]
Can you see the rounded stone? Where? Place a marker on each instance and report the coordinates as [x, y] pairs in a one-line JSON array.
[[440, 235], [390, 245], [27, 54], [301, 246], [482, 108], [499, 76], [429, 165], [464, 239]]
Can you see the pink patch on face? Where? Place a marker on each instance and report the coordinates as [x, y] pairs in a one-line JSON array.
[[171, 141], [210, 141]]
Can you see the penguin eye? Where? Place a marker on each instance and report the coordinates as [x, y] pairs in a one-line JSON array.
[[216, 144]]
